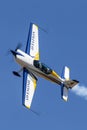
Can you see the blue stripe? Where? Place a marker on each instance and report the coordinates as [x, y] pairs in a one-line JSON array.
[[29, 39], [25, 72], [62, 90], [63, 71]]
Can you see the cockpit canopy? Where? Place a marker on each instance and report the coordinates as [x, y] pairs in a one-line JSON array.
[[44, 68]]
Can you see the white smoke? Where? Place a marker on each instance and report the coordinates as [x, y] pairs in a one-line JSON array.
[[80, 91]]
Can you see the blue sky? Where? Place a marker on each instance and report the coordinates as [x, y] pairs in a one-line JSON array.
[[65, 43]]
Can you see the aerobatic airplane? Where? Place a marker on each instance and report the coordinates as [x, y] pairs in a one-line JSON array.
[[33, 68]]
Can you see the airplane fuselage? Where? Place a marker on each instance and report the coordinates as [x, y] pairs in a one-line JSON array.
[[36, 67]]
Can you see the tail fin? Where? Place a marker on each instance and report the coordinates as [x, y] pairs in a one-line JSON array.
[[66, 73], [66, 77]]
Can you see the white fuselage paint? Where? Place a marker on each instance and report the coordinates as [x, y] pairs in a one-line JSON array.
[[26, 61]]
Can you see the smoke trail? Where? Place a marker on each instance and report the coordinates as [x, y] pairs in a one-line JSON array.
[[80, 91]]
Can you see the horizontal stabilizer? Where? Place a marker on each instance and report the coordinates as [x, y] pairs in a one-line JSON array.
[[71, 83]]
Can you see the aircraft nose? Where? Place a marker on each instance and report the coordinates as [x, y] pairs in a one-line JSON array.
[[13, 52]]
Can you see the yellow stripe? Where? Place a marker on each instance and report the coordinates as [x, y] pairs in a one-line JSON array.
[[55, 74], [35, 83], [36, 26], [27, 107], [37, 56], [67, 79]]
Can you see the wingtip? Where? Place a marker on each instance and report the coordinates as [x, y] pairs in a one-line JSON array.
[[28, 107]]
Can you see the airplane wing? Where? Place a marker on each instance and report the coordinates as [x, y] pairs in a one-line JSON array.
[[29, 86], [32, 47]]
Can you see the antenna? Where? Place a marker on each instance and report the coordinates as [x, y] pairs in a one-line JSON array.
[[38, 114], [43, 29]]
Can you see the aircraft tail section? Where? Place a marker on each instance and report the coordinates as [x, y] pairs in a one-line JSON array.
[[67, 83]]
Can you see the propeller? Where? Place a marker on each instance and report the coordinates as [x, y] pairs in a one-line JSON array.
[[14, 51], [18, 46], [10, 51]]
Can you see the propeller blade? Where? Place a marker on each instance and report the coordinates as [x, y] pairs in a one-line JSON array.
[[18, 46]]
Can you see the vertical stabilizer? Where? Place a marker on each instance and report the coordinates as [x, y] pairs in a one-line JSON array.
[[66, 73]]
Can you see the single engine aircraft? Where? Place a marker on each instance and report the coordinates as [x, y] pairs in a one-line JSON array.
[[33, 68]]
